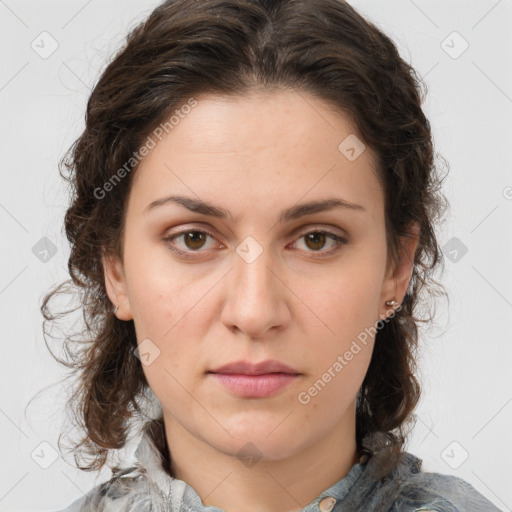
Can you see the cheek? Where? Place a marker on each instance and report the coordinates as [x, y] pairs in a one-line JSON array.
[[169, 313], [157, 297], [347, 303], [340, 375], [348, 309]]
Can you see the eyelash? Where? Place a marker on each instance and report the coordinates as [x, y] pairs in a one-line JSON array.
[[189, 254]]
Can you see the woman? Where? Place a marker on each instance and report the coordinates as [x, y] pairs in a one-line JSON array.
[[252, 223]]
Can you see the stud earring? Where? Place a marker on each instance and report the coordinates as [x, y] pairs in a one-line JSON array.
[[391, 303], [115, 309]]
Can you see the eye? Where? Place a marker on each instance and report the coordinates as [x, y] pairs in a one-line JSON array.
[[195, 239], [316, 240]]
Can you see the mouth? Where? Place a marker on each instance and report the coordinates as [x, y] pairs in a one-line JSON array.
[[248, 380], [263, 368], [254, 386]]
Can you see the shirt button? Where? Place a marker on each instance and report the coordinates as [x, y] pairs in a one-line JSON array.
[[327, 504]]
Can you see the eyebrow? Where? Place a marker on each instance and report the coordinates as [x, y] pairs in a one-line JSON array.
[[295, 212]]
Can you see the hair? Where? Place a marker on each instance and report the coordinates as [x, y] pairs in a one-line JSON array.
[[188, 49]]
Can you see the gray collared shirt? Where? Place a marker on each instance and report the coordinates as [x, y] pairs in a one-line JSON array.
[[146, 486]]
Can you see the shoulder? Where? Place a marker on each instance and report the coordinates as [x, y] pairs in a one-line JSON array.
[[142, 486], [121, 493], [437, 492]]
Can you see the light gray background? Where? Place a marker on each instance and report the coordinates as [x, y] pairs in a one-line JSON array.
[[467, 392]]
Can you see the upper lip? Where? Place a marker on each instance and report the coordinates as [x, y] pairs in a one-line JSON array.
[[248, 368]]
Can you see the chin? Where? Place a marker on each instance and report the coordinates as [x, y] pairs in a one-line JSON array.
[[259, 443]]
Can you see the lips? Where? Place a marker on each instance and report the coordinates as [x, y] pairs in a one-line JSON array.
[[248, 368]]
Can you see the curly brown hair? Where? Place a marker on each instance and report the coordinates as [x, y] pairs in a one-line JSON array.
[[233, 47]]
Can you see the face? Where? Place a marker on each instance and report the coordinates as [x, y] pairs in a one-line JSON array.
[[249, 277]]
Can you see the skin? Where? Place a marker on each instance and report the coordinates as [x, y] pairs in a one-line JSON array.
[[302, 303]]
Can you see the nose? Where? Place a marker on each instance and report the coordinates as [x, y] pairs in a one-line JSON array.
[[256, 297]]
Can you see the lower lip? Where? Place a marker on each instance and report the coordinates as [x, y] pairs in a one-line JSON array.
[[255, 386]]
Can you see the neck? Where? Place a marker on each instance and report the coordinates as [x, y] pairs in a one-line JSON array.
[[223, 480]]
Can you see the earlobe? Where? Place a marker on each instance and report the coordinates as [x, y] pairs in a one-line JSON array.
[[115, 284], [397, 282]]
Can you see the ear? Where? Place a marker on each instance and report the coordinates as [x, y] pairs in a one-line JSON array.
[[399, 274], [115, 283]]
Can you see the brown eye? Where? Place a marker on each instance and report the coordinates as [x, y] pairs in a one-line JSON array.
[[315, 241], [194, 239]]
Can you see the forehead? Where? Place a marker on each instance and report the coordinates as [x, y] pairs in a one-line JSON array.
[[266, 148]]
